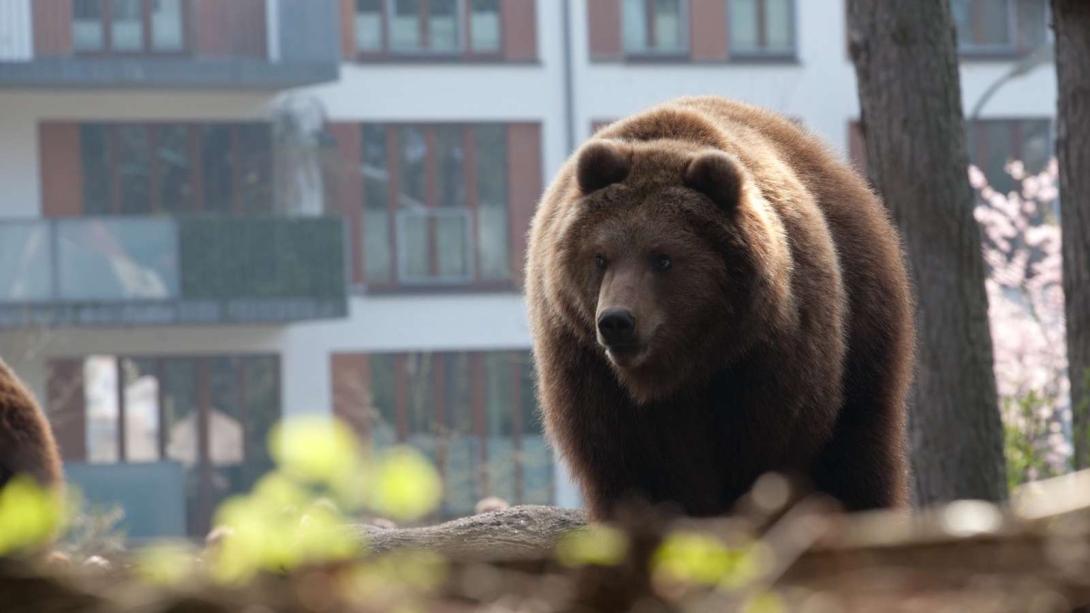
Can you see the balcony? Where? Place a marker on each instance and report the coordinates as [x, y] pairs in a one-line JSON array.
[[108, 271], [207, 44]]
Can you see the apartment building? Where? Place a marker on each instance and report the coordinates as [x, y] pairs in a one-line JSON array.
[[221, 212]]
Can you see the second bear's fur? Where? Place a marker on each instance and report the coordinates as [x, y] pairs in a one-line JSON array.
[[26, 440], [714, 295]]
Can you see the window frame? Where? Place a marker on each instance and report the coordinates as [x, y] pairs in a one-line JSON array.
[[395, 281], [1005, 51], [147, 33], [762, 52], [464, 49], [197, 182], [516, 360], [199, 504], [649, 53]]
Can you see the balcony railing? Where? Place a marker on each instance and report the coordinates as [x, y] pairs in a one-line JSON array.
[[130, 270], [256, 44]]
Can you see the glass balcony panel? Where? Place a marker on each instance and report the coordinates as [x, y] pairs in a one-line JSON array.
[[118, 259], [26, 262]]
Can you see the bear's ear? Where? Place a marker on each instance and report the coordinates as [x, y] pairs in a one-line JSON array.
[[601, 164], [716, 175]]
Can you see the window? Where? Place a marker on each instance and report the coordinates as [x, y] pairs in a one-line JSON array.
[[211, 414], [129, 26], [139, 169], [655, 27], [992, 144], [761, 27], [1000, 26], [446, 222], [474, 414], [428, 27], [995, 142]]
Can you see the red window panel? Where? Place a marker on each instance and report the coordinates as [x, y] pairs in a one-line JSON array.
[[604, 29], [59, 156]]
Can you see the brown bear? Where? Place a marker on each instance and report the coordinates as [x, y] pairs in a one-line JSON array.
[[26, 440], [714, 295]]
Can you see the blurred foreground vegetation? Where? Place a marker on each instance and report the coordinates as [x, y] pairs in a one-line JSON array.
[[306, 539]]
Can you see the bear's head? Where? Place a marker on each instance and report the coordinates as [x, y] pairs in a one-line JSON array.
[[673, 263]]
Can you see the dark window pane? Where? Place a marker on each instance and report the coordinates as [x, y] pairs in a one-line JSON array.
[[224, 412], [134, 169], [420, 390], [175, 169], [1036, 144], [369, 25], [450, 183], [405, 25], [461, 466], [452, 225], [376, 213], [485, 26], [1032, 21], [537, 460], [255, 167], [127, 25], [412, 223], [501, 406], [97, 174], [167, 25], [217, 168], [443, 25], [412, 178], [141, 380], [261, 407], [383, 415], [492, 248], [179, 390], [87, 32]]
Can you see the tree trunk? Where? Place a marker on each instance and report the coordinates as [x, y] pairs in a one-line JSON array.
[[1072, 23], [910, 99]]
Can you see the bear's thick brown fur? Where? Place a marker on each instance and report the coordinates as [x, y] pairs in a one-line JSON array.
[[714, 295], [26, 440]]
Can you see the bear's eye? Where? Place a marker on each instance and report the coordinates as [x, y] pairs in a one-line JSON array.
[[600, 262], [661, 263]]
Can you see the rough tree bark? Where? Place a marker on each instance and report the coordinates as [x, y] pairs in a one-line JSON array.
[[910, 99], [1072, 24]]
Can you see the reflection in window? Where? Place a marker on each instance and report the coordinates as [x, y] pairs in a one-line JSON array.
[[124, 259], [485, 26], [762, 27], [87, 31], [134, 169], [25, 262], [141, 410], [654, 27]]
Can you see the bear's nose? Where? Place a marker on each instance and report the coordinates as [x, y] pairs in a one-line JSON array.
[[618, 326]]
